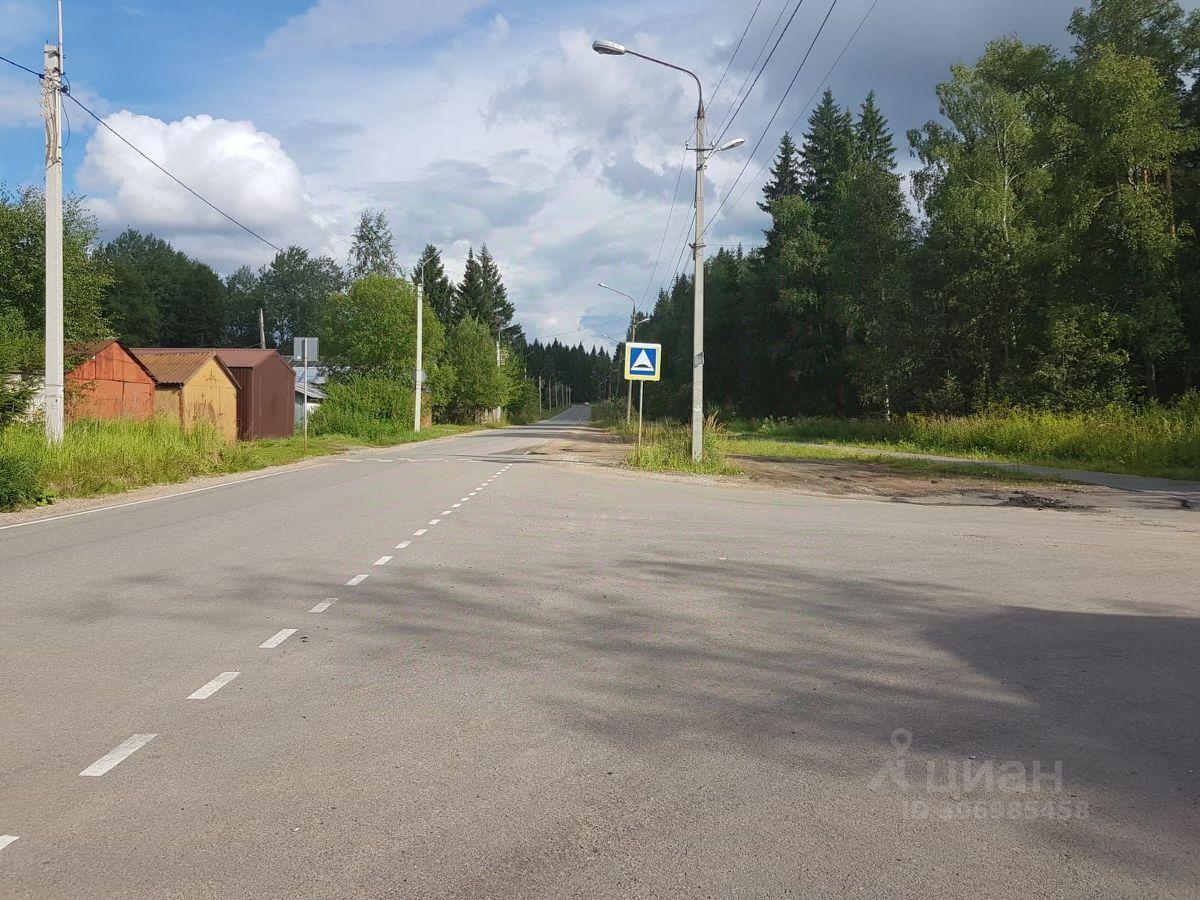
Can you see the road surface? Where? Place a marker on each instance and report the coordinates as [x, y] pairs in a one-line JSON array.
[[462, 671]]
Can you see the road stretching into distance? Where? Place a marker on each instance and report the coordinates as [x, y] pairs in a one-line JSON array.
[[458, 670]]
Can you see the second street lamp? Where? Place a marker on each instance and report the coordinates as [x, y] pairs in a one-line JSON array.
[[612, 48], [634, 322]]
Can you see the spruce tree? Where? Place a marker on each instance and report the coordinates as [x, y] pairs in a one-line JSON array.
[[371, 252], [439, 290], [785, 174], [826, 153], [873, 138]]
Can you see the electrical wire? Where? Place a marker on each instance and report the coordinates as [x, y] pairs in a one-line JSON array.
[[717, 90], [21, 67], [771, 121], [804, 108], [753, 65], [190, 190], [662, 243], [717, 140]]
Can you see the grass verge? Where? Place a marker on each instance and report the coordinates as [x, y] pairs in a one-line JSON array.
[[1160, 440], [667, 447], [764, 448], [108, 457]]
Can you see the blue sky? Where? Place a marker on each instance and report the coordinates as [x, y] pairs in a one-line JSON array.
[[467, 121]]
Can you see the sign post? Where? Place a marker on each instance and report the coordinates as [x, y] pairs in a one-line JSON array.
[[306, 349], [643, 362]]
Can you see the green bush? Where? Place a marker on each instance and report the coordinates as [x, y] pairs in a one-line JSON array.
[[376, 410], [20, 480]]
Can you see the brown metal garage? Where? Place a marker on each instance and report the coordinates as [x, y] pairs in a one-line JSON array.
[[266, 387], [194, 387], [108, 382]]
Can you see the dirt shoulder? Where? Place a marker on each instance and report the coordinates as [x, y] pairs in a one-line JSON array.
[[853, 479]]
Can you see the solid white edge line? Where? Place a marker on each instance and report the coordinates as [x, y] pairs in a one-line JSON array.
[[6, 839], [383, 560], [277, 638], [357, 579], [210, 487], [323, 605], [117, 755], [213, 686], [403, 545]]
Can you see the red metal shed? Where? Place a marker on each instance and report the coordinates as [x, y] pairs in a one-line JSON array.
[[109, 383], [266, 385]]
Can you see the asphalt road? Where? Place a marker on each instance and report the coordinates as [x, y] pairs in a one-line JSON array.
[[575, 682]]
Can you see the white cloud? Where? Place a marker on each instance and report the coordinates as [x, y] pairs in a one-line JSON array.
[[237, 167], [343, 24]]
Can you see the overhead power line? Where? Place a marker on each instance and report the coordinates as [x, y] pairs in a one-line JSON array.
[[803, 109], [750, 70], [21, 67], [250, 231], [771, 121], [721, 134], [666, 228], [717, 90]]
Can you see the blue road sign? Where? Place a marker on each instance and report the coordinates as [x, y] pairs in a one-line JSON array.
[[642, 362]]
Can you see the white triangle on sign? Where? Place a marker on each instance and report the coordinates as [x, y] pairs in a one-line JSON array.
[[641, 363]]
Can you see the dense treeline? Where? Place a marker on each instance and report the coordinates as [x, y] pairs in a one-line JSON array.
[[591, 374], [141, 289], [1048, 256]]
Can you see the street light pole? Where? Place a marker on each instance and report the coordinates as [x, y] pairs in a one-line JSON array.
[[633, 324], [418, 374], [698, 302], [611, 48]]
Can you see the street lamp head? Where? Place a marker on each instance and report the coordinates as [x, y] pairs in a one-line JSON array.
[[603, 285], [609, 48], [729, 145]]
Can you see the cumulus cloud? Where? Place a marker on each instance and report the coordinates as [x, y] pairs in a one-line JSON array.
[[244, 171], [343, 24]]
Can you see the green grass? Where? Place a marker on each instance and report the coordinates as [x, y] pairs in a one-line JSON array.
[[108, 457], [667, 447], [1158, 439], [781, 449]]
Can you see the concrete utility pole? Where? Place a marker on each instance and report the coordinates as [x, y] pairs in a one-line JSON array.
[[698, 285], [52, 108], [418, 374], [612, 48]]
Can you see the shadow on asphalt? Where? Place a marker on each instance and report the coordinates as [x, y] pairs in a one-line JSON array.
[[775, 664]]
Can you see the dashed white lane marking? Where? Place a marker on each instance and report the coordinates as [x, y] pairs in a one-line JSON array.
[[463, 499], [446, 512], [357, 579], [213, 686], [434, 521], [420, 531], [276, 639], [383, 560], [474, 492], [6, 839], [117, 756], [323, 605], [403, 544], [456, 506]]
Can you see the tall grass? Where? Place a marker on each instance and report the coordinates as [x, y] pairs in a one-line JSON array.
[[106, 457], [667, 447], [1156, 439]]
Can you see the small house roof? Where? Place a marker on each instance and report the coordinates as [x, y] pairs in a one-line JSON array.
[[176, 368]]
